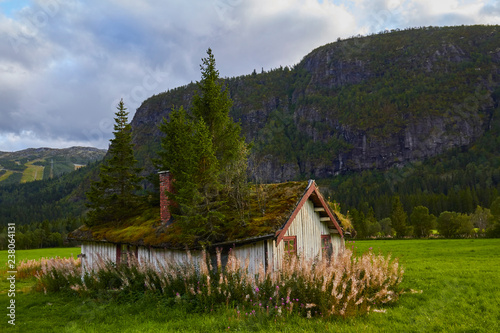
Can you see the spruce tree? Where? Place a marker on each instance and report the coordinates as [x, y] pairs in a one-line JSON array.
[[398, 218], [189, 156], [114, 196], [207, 157], [213, 104]]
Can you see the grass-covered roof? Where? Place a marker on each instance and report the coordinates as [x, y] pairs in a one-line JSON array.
[[269, 207]]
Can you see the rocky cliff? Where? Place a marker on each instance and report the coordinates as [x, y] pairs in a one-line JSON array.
[[356, 104]]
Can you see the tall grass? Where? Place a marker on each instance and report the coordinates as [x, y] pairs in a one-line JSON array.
[[343, 285], [29, 268]]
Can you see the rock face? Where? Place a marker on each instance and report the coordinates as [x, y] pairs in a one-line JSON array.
[[362, 103]]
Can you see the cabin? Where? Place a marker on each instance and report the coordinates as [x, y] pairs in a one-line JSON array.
[[283, 219]]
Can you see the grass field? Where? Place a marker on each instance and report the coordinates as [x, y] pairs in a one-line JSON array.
[[33, 172], [6, 175], [458, 280]]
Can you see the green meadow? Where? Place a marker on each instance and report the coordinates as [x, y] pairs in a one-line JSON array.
[[451, 286]]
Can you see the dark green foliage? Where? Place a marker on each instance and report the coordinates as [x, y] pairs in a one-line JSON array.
[[494, 228], [422, 221], [14, 178], [207, 157], [114, 197], [448, 223], [212, 104], [41, 234], [398, 218], [188, 153], [12, 165], [51, 199]]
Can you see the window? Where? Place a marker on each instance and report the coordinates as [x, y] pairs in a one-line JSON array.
[[125, 253], [290, 245], [326, 245]]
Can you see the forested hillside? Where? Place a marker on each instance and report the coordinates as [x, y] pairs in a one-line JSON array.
[[407, 118], [44, 163], [357, 104]]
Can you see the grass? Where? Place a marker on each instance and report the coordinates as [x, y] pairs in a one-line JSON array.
[[63, 252], [458, 280], [32, 172], [6, 175], [34, 254]]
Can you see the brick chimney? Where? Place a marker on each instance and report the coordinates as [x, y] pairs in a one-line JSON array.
[[165, 186]]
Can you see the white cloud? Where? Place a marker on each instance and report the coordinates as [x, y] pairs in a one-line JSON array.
[[64, 64]]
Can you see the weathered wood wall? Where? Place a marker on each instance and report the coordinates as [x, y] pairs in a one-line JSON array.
[[95, 250], [256, 254], [166, 256], [308, 229]]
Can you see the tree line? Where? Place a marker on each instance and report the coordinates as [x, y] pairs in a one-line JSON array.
[[204, 151]]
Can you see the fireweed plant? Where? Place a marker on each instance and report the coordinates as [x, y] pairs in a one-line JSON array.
[[342, 285]]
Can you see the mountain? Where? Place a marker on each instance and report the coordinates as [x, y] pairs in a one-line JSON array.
[[42, 163], [357, 104], [413, 113]]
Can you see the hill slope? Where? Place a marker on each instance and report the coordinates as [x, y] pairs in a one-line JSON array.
[[357, 104], [353, 113], [42, 163]]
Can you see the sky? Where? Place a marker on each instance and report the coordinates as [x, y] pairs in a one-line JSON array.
[[65, 64]]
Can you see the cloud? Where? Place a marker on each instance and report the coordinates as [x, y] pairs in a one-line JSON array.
[[64, 64]]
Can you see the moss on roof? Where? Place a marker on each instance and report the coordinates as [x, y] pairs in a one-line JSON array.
[[268, 209]]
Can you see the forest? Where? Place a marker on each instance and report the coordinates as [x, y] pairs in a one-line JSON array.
[[402, 129]]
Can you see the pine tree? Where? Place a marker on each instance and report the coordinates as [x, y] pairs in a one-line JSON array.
[[398, 217], [114, 196]]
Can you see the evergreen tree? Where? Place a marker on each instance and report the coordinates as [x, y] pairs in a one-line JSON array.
[[207, 158], [212, 104], [494, 229], [114, 196], [189, 155], [398, 217]]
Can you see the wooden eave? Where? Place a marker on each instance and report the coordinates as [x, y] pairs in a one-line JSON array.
[[321, 207]]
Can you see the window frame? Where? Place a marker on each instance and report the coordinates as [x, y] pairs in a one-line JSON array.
[[286, 242], [326, 247], [124, 251]]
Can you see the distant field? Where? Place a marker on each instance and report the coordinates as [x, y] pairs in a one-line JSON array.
[[63, 252], [33, 172], [455, 289], [6, 175]]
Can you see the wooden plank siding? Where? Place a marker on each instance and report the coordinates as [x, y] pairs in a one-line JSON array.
[[95, 250], [159, 256], [308, 228], [256, 255]]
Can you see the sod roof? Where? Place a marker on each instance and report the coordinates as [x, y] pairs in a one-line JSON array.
[[269, 208]]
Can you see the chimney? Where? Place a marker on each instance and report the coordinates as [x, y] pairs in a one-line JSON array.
[[165, 186]]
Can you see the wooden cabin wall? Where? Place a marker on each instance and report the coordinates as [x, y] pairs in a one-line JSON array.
[[158, 256], [95, 250], [337, 243], [308, 229], [256, 255]]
